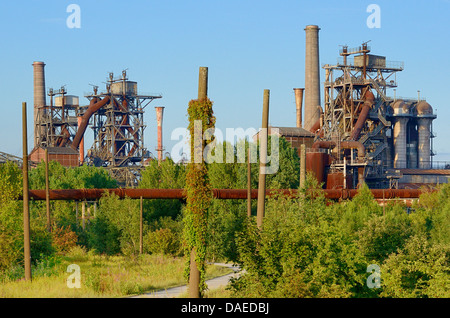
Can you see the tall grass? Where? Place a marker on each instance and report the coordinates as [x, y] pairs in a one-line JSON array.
[[101, 276]]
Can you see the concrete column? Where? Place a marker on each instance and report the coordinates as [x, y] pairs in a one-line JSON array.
[[39, 96], [400, 142], [424, 150], [159, 119], [298, 103], [312, 76]]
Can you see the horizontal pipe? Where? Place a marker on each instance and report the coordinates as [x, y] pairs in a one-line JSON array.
[[328, 144], [224, 194]]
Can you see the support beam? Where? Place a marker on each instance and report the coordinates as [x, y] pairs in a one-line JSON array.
[[26, 207]]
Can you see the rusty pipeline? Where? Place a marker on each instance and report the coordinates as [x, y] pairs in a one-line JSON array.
[[223, 194], [368, 103], [94, 106], [328, 144]]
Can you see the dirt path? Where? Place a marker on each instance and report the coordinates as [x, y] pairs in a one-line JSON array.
[[177, 291]]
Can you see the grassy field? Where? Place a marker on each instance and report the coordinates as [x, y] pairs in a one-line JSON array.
[[102, 276]]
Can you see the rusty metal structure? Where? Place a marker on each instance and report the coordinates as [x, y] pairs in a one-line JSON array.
[[362, 134], [116, 117], [223, 194], [365, 131]]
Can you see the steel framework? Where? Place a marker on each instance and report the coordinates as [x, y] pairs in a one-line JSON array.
[[57, 121], [347, 85], [119, 125]]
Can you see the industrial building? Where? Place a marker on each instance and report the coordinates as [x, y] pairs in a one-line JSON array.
[[361, 134], [357, 132], [115, 115]]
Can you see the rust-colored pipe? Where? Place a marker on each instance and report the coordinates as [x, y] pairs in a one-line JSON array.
[[368, 102], [94, 106], [81, 151], [316, 125], [223, 194], [354, 145], [327, 144], [159, 121]]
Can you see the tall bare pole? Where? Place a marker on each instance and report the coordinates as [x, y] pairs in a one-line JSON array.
[[263, 160], [26, 207], [141, 228], [249, 185], [194, 274], [47, 192], [302, 165]]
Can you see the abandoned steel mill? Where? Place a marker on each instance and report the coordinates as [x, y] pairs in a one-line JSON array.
[[358, 132]]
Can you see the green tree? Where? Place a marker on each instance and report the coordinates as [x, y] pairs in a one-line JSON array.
[[11, 224], [164, 175], [419, 270], [116, 226]]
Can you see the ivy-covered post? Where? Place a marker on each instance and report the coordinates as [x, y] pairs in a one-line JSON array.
[[263, 160], [198, 190]]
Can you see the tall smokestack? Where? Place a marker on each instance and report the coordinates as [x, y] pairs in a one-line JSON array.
[[39, 96], [159, 119], [298, 103], [81, 146], [312, 76]]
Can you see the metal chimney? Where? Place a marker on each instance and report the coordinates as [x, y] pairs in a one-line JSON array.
[[159, 119], [81, 146], [298, 103], [312, 76], [39, 96]]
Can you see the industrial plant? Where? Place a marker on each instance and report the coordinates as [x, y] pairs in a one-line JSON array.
[[357, 132], [361, 134], [116, 117]]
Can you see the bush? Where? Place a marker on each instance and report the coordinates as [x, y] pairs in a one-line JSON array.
[[164, 237], [63, 239]]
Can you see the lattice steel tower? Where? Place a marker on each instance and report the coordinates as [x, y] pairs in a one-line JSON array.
[[119, 125]]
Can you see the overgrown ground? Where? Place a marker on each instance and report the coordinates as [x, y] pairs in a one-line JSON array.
[[101, 276]]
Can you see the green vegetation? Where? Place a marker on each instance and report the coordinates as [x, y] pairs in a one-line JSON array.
[[307, 246], [101, 276]]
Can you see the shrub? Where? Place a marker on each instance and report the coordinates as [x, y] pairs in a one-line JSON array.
[[63, 239]]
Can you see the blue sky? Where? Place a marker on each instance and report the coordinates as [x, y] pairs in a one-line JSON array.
[[247, 45]]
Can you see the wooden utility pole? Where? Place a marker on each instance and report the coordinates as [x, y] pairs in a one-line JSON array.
[[26, 207], [249, 185], [263, 159], [47, 192], [141, 228], [302, 165], [83, 214], [194, 272]]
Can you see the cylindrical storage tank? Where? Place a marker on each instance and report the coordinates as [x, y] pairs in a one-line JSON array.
[[124, 88], [336, 181], [411, 154], [312, 77], [424, 150], [316, 163], [400, 142], [424, 131]]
